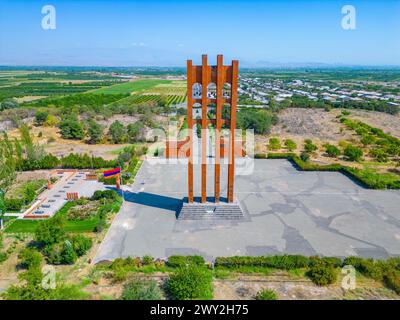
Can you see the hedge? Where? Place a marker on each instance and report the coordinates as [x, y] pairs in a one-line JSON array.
[[286, 262], [181, 261]]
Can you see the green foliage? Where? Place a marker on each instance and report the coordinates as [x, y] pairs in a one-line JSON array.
[[85, 101], [290, 145], [353, 153], [367, 267], [50, 231], [287, 262], [32, 289], [182, 261], [305, 156], [191, 282], [80, 244], [392, 280], [332, 151], [274, 144], [67, 254], [380, 155], [41, 117], [117, 132], [14, 204], [134, 131], [8, 104], [84, 161], [95, 132], [30, 258], [139, 289], [266, 294], [258, 120], [71, 129], [322, 275], [104, 194], [147, 260], [367, 139], [47, 162], [309, 147]]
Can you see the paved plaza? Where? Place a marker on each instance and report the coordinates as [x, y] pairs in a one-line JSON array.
[[52, 200], [287, 211]]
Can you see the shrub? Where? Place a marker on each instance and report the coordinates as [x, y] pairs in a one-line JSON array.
[[30, 258], [329, 261], [95, 132], [274, 144], [392, 280], [266, 294], [141, 290], [287, 262], [380, 155], [50, 231], [353, 153], [190, 282], [82, 161], [309, 146], [3, 256], [367, 267], [81, 244], [260, 156], [68, 255], [41, 117], [182, 261], [71, 129], [290, 145], [367, 139], [304, 156], [117, 132], [104, 194], [322, 275], [147, 260], [332, 150], [14, 204]]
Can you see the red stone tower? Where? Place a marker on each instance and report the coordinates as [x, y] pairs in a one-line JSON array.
[[223, 83]]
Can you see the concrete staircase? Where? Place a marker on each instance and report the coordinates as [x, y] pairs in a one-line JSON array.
[[199, 211]]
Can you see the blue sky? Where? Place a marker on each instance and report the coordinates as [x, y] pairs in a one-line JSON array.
[[166, 33]]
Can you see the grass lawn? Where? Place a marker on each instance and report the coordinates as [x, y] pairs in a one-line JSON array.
[[132, 86], [29, 226]]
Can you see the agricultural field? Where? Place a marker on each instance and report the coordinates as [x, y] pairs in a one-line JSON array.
[[137, 86], [145, 98]]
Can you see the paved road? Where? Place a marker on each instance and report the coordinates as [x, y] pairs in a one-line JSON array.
[[288, 211]]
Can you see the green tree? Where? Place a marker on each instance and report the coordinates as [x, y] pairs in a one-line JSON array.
[[117, 132], [41, 117], [30, 258], [95, 131], [134, 131], [50, 231], [71, 129]]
